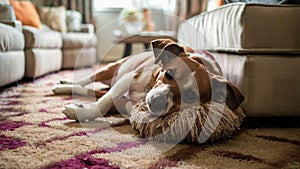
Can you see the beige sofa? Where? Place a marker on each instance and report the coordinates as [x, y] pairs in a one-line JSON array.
[[12, 59], [258, 49]]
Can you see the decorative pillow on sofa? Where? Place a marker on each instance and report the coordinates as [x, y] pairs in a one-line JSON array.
[[73, 19], [54, 17], [26, 13]]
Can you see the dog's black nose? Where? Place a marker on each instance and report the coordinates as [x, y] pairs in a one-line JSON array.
[[158, 104]]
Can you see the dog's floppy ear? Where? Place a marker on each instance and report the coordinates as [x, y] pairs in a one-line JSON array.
[[159, 44], [223, 89], [165, 50]]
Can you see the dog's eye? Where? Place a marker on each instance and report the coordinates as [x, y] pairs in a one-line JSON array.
[[170, 74], [189, 96]]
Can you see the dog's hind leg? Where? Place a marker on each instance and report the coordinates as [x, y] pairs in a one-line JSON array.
[[100, 108], [104, 75], [77, 90]]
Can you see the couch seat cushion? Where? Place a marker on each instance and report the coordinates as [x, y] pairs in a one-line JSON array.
[[244, 28], [78, 40], [10, 38], [41, 38]]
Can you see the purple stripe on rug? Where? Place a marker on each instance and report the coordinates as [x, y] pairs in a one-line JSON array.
[[67, 98], [87, 161], [44, 124], [83, 162], [11, 103], [43, 111], [10, 126], [10, 143], [50, 84]]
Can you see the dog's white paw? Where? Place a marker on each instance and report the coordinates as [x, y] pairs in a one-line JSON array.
[[82, 112]]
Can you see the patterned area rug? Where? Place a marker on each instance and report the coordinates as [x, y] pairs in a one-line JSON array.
[[35, 134]]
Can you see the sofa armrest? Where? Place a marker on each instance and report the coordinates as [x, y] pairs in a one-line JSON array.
[[16, 24], [87, 28]]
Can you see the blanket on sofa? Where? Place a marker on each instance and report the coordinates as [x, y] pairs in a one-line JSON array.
[[35, 134]]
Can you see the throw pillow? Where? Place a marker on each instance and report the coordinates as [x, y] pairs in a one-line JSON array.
[[54, 18], [73, 19], [7, 12], [25, 12]]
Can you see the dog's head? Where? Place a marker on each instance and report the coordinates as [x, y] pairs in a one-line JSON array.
[[184, 81]]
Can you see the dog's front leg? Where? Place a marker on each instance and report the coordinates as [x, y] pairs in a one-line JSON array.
[[82, 112], [100, 108]]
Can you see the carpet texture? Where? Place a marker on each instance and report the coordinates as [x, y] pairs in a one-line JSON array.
[[35, 134]]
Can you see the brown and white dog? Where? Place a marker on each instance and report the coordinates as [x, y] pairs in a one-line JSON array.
[[173, 79]]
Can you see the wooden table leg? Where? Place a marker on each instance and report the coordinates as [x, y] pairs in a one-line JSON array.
[[128, 47], [146, 46]]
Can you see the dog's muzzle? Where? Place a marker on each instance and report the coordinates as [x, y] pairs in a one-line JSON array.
[[159, 100]]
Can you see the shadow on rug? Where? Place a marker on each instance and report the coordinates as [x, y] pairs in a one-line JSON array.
[[35, 134]]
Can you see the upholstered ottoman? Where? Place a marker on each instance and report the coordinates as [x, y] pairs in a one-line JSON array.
[[258, 49], [79, 49], [42, 51], [12, 59]]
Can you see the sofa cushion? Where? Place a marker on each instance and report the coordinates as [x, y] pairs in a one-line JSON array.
[[10, 38], [42, 61], [26, 13], [41, 38], [78, 40], [242, 28], [75, 58]]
